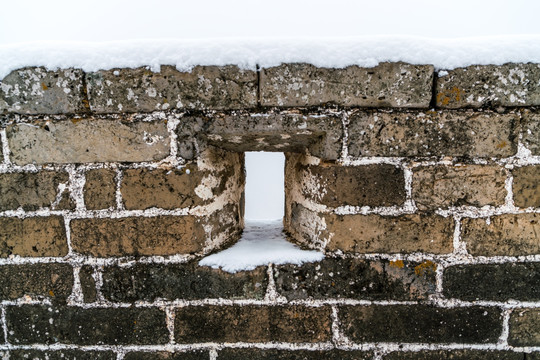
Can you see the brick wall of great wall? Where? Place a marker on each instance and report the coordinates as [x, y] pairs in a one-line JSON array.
[[421, 187]]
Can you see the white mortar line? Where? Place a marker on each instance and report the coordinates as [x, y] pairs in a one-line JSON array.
[[76, 296], [6, 162], [345, 137], [460, 247], [272, 296], [338, 338], [409, 205], [4, 325], [439, 274], [77, 179], [98, 280], [213, 354], [503, 340], [169, 318], [67, 227], [118, 193], [508, 185]]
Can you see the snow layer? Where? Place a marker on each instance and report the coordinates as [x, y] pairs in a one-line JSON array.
[[247, 53], [262, 243]]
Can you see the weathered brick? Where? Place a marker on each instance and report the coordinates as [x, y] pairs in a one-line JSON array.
[[421, 324], [64, 354], [31, 191], [448, 133], [30, 324], [526, 187], [275, 354], [34, 237], [489, 85], [187, 355], [100, 189], [524, 327], [87, 140], [283, 132], [336, 185], [137, 236], [498, 282], [441, 186], [142, 90], [38, 91], [502, 235], [356, 279], [427, 233], [148, 282], [531, 131], [249, 323], [88, 283], [53, 281], [455, 355], [385, 85]]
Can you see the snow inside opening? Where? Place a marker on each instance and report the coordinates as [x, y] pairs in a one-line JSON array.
[[263, 241]]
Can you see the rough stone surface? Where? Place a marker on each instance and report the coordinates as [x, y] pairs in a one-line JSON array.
[[88, 283], [526, 186], [455, 355], [524, 328], [336, 185], [489, 86], [148, 282], [31, 191], [356, 279], [188, 355], [137, 236], [52, 281], [250, 323], [531, 131], [426, 233], [31, 324], [141, 90], [100, 189], [421, 324], [493, 282], [385, 85], [62, 355], [502, 235], [281, 132], [38, 91], [37, 236], [430, 133], [87, 140], [437, 187], [274, 354]]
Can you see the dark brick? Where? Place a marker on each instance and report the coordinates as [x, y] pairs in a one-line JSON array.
[[188, 355], [62, 355], [421, 324], [524, 327], [449, 133], [532, 356], [33, 237], [455, 355], [148, 282], [31, 324], [100, 189], [497, 282], [526, 186], [502, 235], [53, 281], [88, 284], [275, 354], [200, 324], [357, 279], [31, 191], [137, 236]]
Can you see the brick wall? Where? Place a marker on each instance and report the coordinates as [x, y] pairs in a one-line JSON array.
[[421, 187]]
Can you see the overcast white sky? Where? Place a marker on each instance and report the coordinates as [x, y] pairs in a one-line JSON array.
[[100, 20]]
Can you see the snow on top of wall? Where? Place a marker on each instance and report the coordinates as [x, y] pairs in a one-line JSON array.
[[248, 53]]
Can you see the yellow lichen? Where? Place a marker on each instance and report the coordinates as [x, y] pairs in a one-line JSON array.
[[424, 267], [397, 263], [44, 87], [51, 293]]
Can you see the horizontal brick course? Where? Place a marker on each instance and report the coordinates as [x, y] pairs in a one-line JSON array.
[[149, 282], [455, 355], [87, 140], [273, 354], [505, 235], [52, 281], [30, 324], [385, 85], [184, 355], [526, 186], [430, 133], [100, 189], [495, 282], [356, 279], [421, 324], [31, 191], [33, 237], [524, 328], [440, 186], [62, 355], [295, 324]]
